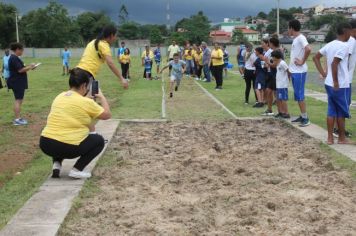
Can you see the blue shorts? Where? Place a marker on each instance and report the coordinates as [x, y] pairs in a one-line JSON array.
[[282, 94], [338, 102], [66, 64], [158, 63], [349, 94], [226, 65], [260, 82], [298, 81], [241, 64]]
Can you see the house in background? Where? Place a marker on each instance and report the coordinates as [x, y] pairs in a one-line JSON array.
[[251, 35], [219, 36], [230, 25], [318, 36]]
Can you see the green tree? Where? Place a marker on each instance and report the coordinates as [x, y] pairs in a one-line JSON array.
[[7, 24], [156, 36], [48, 27], [262, 15], [90, 24], [129, 30], [123, 14], [238, 36], [195, 29]]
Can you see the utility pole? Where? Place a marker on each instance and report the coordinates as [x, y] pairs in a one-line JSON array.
[[278, 18], [17, 27], [168, 17]]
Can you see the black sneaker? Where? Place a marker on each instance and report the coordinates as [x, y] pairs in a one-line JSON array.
[[171, 95], [298, 120], [267, 113], [55, 173], [285, 116], [305, 122], [348, 134], [278, 115], [256, 105], [176, 88], [261, 104]]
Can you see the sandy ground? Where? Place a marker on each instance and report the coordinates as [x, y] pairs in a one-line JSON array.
[[227, 178]]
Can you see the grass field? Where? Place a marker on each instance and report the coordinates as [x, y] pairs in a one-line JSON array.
[[23, 167]]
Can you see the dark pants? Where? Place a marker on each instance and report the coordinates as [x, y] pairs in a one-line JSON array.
[[250, 80], [217, 72], [87, 150], [199, 70], [125, 70]]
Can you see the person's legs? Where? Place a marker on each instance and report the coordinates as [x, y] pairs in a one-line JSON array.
[[330, 124], [17, 108], [220, 75], [123, 70], [89, 149], [248, 82], [207, 73]]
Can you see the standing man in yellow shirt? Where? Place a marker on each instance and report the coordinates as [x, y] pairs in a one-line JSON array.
[[97, 52], [217, 61], [172, 49]]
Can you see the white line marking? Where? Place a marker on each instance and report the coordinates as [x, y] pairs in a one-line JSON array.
[[216, 100]]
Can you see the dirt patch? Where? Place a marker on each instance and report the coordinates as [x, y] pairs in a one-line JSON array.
[[19, 146], [227, 178]]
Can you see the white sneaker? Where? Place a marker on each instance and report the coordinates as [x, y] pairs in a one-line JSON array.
[[79, 174], [204, 80], [20, 121]]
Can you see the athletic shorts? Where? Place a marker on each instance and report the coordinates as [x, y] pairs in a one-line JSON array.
[[175, 77], [338, 102], [241, 64], [298, 81], [66, 63], [349, 94], [282, 94], [271, 81], [260, 82], [226, 65], [158, 63], [19, 94]]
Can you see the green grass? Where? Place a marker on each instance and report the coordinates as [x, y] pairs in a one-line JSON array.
[[142, 100]]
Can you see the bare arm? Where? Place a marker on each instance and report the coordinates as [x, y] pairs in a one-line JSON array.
[[307, 51], [334, 71], [104, 103], [318, 65], [116, 71], [27, 68], [163, 69]]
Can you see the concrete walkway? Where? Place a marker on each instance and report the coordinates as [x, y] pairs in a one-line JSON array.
[[45, 211]]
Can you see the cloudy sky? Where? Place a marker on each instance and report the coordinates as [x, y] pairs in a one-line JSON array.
[[154, 11]]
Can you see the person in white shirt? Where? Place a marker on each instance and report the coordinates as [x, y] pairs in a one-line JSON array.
[[249, 76], [337, 81], [282, 82], [172, 49], [299, 54], [268, 93], [352, 59]]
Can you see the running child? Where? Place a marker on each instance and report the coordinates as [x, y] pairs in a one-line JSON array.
[[261, 74], [65, 58], [282, 82], [147, 63], [158, 57], [125, 61], [337, 81], [226, 60], [178, 69]]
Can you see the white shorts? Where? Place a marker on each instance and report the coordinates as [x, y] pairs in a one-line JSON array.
[[174, 78]]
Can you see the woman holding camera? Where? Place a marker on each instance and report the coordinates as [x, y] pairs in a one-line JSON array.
[[66, 135]]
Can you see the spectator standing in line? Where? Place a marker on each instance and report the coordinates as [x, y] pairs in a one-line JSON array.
[[66, 55], [206, 62]]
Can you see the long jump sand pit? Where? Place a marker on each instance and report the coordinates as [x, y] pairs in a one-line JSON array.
[[216, 178]]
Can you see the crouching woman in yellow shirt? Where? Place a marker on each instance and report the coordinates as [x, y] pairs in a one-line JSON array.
[[66, 135]]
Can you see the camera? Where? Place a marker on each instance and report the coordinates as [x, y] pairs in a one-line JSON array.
[[94, 88]]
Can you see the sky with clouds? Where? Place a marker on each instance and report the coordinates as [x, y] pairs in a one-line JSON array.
[[154, 11]]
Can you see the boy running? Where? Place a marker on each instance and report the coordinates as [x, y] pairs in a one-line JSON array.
[[337, 81], [178, 69], [260, 84], [282, 83]]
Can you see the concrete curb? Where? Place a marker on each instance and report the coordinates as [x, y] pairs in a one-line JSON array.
[[45, 211]]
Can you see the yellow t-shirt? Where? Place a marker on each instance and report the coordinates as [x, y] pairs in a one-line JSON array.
[[90, 60], [70, 117], [199, 58], [187, 56], [217, 53], [194, 53], [151, 55], [173, 50], [124, 59]]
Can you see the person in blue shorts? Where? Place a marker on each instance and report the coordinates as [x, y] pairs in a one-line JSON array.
[[66, 54], [147, 63], [337, 81], [226, 60], [241, 51], [298, 67], [261, 74], [158, 57], [282, 83]]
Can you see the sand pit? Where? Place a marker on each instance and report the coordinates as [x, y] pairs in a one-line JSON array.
[[206, 178]]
